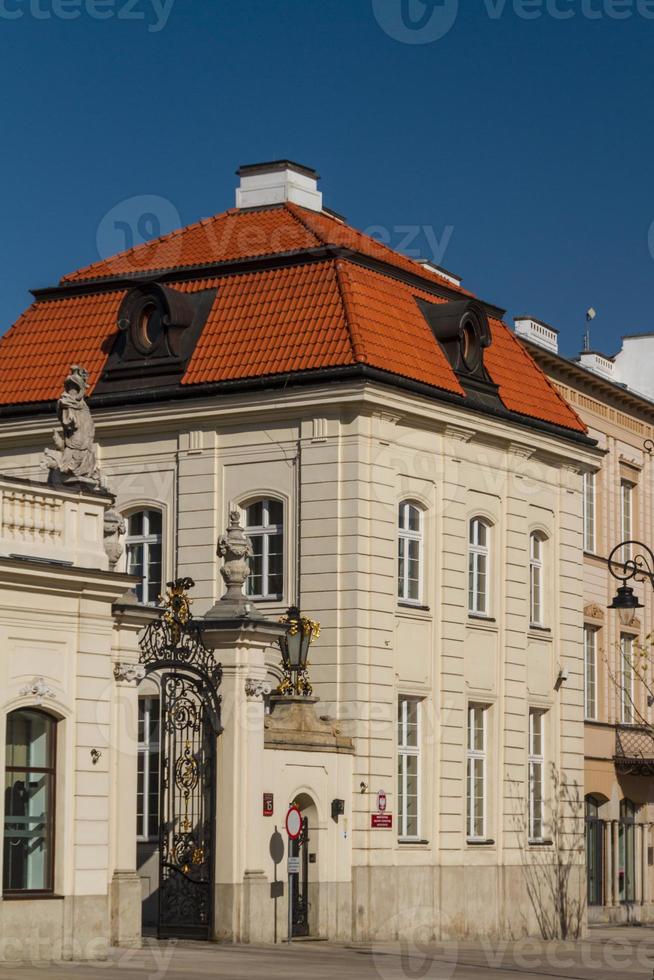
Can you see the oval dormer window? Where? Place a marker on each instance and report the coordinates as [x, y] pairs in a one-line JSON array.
[[148, 327], [470, 346]]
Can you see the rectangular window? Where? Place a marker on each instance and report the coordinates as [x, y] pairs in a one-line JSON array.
[[536, 579], [478, 560], [590, 672], [589, 512], [264, 522], [409, 582], [147, 787], [626, 515], [476, 804], [536, 773], [627, 679], [408, 768], [29, 802]]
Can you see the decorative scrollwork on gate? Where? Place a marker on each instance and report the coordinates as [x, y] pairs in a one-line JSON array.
[[175, 642]]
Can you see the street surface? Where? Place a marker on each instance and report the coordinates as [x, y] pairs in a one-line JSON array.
[[607, 954]]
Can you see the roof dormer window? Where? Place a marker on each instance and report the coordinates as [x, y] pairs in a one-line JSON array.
[[461, 328]]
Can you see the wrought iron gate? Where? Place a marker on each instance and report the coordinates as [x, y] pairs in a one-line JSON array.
[[300, 848], [189, 679]]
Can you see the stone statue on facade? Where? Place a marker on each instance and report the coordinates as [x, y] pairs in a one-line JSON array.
[[74, 462], [235, 548]]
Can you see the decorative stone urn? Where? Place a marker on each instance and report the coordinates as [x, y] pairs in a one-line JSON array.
[[235, 549]]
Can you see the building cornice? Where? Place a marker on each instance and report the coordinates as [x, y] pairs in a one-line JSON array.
[[167, 398], [569, 372]]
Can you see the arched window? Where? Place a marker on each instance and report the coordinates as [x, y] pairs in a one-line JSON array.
[[536, 578], [627, 852], [264, 526], [29, 802], [143, 544], [409, 578], [594, 852], [478, 567]]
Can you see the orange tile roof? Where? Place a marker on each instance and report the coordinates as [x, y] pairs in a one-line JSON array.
[[273, 322], [287, 318], [236, 234], [37, 352]]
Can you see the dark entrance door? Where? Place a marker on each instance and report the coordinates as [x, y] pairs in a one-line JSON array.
[[187, 811], [189, 680], [300, 848]]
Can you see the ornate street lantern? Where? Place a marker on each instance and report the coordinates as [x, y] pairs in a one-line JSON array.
[[294, 645], [626, 602], [639, 567]]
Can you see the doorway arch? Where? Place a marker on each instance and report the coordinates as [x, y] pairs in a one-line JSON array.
[[304, 914]]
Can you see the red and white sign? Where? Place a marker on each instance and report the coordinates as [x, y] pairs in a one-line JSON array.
[[381, 801], [381, 821], [268, 804], [293, 823]]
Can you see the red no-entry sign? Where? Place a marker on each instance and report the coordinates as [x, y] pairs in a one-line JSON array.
[[293, 823]]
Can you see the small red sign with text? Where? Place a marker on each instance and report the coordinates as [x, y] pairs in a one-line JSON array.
[[268, 805], [381, 821]]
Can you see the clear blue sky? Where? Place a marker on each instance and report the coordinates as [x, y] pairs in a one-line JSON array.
[[525, 145]]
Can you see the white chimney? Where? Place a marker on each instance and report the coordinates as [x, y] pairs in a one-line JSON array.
[[538, 332], [598, 364], [264, 184]]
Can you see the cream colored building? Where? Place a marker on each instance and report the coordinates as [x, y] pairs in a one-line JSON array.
[[606, 392], [409, 478], [70, 885]]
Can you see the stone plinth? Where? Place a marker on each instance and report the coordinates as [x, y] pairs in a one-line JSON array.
[[294, 725]]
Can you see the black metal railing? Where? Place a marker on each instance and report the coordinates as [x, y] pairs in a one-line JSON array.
[[634, 750]]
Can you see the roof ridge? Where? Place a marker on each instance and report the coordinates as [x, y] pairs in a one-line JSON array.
[[293, 211], [356, 339], [429, 275], [154, 243], [137, 248]]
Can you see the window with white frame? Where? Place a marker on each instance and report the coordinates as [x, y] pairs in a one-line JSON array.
[[536, 773], [536, 578], [410, 552], [147, 786], [408, 768], [476, 781], [30, 780], [143, 547], [626, 679], [589, 512], [478, 567], [626, 515], [590, 672], [264, 526]]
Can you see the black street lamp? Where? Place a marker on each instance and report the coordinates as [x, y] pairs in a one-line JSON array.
[[639, 567], [294, 645]]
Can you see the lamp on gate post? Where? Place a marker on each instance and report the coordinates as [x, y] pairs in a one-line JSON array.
[[639, 567], [294, 645]]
